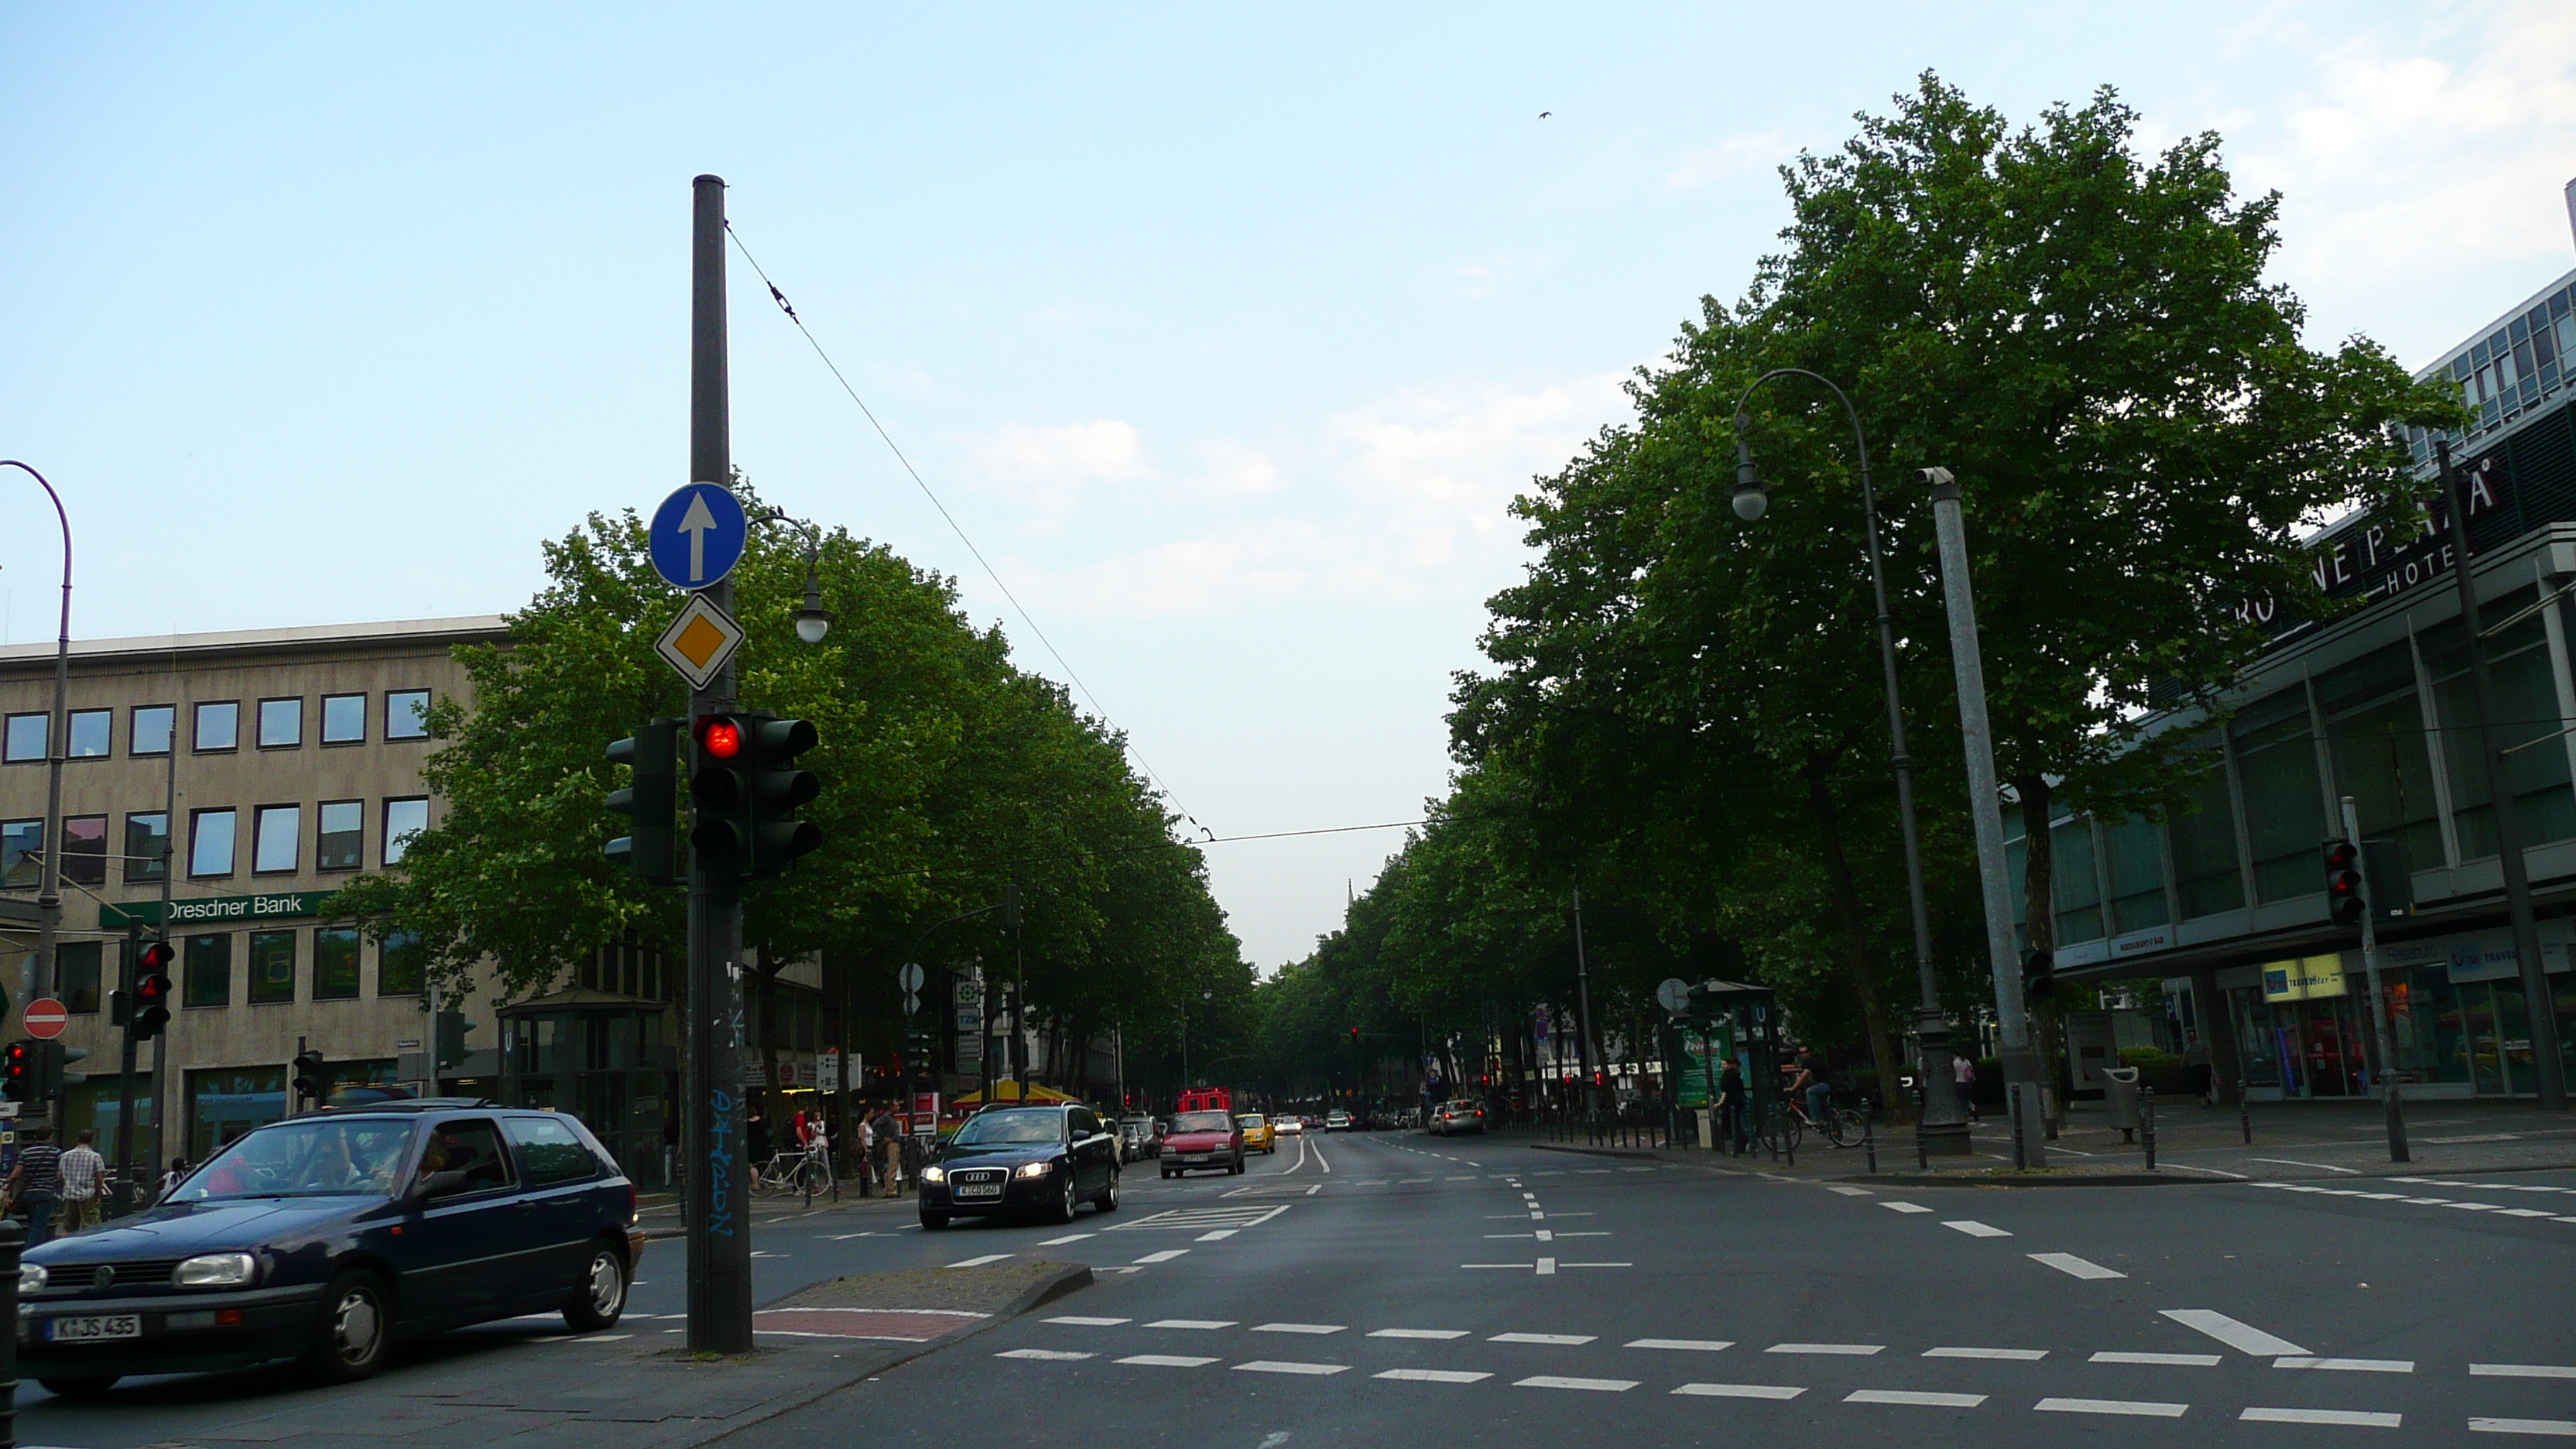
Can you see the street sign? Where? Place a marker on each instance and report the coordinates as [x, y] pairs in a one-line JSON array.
[[1673, 995], [911, 1003], [698, 535], [910, 977], [700, 641], [827, 1067], [46, 1018]]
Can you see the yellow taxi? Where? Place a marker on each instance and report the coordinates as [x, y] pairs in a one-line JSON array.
[[1258, 1134]]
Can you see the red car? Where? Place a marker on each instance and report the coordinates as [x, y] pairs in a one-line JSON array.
[[1202, 1139]]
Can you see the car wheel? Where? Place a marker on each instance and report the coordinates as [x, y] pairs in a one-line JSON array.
[[356, 1326], [933, 1221], [1107, 1202], [1062, 1209], [84, 1388], [601, 1295]]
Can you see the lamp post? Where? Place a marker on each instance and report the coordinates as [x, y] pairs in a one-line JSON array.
[[812, 621], [49, 890], [1944, 1127]]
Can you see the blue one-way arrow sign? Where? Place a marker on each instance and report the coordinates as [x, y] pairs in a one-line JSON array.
[[698, 534]]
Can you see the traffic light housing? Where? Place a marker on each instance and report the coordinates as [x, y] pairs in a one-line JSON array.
[[778, 789], [2038, 977], [312, 1076], [151, 1009], [451, 1029], [2346, 899], [744, 791], [20, 1071], [651, 798], [719, 795], [1355, 1036]]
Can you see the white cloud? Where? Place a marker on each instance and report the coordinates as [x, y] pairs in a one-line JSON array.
[[1759, 150], [1047, 470], [1484, 279]]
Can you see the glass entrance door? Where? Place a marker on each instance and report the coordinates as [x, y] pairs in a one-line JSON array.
[[2496, 1036]]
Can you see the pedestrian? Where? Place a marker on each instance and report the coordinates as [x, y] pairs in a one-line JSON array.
[[890, 1153], [1963, 1070], [1730, 1108], [867, 1145], [2195, 1062], [81, 1170], [171, 1179], [36, 1183]]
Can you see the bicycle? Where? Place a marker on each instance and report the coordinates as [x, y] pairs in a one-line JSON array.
[[1777, 1126], [1842, 1125], [801, 1172]]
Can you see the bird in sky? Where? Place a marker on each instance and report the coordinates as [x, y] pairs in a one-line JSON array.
[[1543, 115]]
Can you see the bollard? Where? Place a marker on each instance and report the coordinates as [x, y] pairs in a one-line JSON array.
[[2397, 1148], [1922, 1149], [1869, 1145], [2147, 1124], [12, 1238], [2244, 1115], [2012, 1111]]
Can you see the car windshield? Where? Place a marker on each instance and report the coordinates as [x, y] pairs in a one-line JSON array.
[[304, 1159], [1202, 1122], [1011, 1128], [1250, 1119]]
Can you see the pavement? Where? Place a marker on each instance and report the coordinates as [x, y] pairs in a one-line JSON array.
[[1392, 1288]]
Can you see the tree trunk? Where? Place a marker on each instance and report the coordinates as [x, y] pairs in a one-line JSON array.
[[2039, 900], [1846, 899]]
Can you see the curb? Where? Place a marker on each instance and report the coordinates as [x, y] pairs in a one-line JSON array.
[[2102, 1179]]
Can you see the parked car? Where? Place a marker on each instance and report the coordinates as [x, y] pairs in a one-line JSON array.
[[1337, 1120], [329, 1236], [1455, 1117], [1044, 1159], [1139, 1138], [1202, 1139], [1258, 1135]]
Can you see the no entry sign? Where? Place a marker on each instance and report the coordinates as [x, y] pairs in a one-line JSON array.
[[46, 1018]]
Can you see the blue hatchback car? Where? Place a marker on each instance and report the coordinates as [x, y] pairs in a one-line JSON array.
[[326, 1237]]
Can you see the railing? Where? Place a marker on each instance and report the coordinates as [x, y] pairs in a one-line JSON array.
[[1633, 1125]]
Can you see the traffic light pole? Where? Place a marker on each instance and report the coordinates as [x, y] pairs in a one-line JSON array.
[[718, 1174], [2379, 1016], [126, 976]]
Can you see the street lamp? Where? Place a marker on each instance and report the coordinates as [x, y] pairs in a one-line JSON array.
[[49, 890], [813, 621], [1943, 1127]]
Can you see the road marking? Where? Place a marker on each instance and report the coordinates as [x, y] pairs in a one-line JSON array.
[[1067, 1238], [2348, 1365], [2140, 1408], [1317, 1328], [1050, 1355], [1431, 1376], [2321, 1166], [1275, 1366], [2015, 1355], [1165, 1360], [1219, 1236], [1547, 1267], [2345, 1418], [1552, 1381], [1741, 1391], [1462, 1179], [2242, 1337], [2554, 1428], [1440, 1333], [1198, 1323], [2168, 1360], [1589, 1265], [2425, 1201], [604, 1338], [1857, 1349], [2075, 1267], [2521, 1371], [1165, 1256], [831, 1237], [1973, 1228], [1693, 1345], [1081, 1321], [979, 1262], [1905, 1207], [1849, 1191], [1556, 1338], [1496, 1265], [1914, 1397], [2474, 1207], [2522, 1212]]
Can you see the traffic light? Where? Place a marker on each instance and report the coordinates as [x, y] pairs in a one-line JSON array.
[[52, 1059], [19, 1068], [1355, 1036], [718, 795], [151, 991], [2346, 901], [452, 1027], [778, 789], [651, 797], [2038, 977], [312, 1080]]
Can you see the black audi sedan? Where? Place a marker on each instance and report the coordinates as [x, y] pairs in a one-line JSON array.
[[1046, 1159], [325, 1237]]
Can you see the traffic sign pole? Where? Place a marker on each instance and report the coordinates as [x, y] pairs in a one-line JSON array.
[[718, 1168]]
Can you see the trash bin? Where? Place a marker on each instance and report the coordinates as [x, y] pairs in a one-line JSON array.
[[2120, 1095]]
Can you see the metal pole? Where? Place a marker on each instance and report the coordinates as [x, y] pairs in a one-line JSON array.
[[1583, 995], [13, 1239], [124, 1201], [169, 864], [2547, 1071], [1985, 810], [2382, 1030], [49, 890], [719, 1231]]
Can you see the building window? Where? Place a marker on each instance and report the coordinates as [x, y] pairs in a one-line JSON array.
[[228, 1101], [85, 849], [2526, 700], [2203, 831], [147, 845], [24, 738], [218, 726], [76, 975], [403, 819], [2375, 722], [281, 724], [93, 734], [2071, 880], [2276, 766], [148, 733], [210, 843], [272, 967], [401, 962], [22, 844], [406, 714], [276, 837], [344, 719], [206, 969], [341, 843], [335, 963]]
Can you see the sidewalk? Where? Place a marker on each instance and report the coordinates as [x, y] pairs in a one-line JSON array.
[[660, 1212], [2291, 1141]]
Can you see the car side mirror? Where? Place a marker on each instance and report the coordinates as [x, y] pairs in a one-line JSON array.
[[440, 1184]]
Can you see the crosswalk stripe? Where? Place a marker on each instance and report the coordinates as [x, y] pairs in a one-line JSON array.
[[1914, 1397], [2134, 1407], [2075, 1267], [1555, 1381], [1741, 1391], [2345, 1418], [1166, 1360], [1276, 1366], [1431, 1376], [2552, 1428]]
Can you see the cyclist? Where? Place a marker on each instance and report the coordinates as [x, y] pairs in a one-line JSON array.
[[1811, 1084]]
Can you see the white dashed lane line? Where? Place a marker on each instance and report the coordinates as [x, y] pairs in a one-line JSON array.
[[1914, 1397], [1974, 1229], [1274, 1366], [2075, 1267], [1742, 1391], [1557, 1381], [2015, 1355], [2342, 1418], [1431, 1376], [2165, 1360], [2137, 1408]]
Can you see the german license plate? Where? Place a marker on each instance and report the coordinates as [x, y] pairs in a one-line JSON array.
[[988, 1189], [1194, 1157], [98, 1326]]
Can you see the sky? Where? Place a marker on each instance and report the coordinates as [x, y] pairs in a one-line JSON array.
[[1227, 337]]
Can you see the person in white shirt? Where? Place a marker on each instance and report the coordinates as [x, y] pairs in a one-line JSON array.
[[82, 1172], [1963, 1070]]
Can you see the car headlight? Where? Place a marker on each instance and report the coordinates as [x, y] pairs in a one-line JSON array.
[[216, 1270], [1035, 1169], [934, 1174], [31, 1276]]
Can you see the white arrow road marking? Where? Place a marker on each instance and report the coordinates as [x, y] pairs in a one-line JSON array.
[[2242, 1337]]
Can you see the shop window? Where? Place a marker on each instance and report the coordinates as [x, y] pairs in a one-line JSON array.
[[85, 849], [228, 1101], [404, 818], [92, 734], [341, 841], [2276, 766], [407, 714], [218, 726], [2375, 724], [402, 961], [210, 842], [22, 846], [76, 974], [344, 719], [276, 839], [2071, 880], [281, 724], [148, 730], [93, 1103], [206, 971], [2137, 863], [335, 963], [22, 738], [272, 967], [2526, 700], [147, 845]]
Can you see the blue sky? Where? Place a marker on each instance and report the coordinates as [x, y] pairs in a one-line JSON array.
[[1228, 338]]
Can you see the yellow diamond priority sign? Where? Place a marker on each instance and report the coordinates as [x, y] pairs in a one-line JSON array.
[[699, 641]]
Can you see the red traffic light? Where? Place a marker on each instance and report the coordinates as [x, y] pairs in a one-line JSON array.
[[720, 737], [156, 957], [2346, 902]]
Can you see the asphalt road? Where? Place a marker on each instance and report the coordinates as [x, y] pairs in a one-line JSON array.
[[1384, 1289]]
